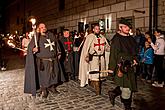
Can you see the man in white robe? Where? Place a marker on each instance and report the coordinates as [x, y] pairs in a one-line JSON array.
[[93, 51]]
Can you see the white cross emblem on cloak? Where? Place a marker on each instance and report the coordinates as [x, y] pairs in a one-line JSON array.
[[49, 44]]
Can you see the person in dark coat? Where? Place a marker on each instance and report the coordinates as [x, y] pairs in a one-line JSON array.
[[122, 59], [42, 69], [66, 44]]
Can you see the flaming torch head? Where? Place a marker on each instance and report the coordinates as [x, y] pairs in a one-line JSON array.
[[9, 42], [33, 21]]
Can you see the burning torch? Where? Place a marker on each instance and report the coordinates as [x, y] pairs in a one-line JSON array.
[[11, 43], [33, 21]]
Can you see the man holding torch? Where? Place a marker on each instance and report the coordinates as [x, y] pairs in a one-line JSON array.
[[42, 70]]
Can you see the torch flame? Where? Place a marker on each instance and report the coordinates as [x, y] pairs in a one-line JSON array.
[[10, 44], [33, 21], [11, 37]]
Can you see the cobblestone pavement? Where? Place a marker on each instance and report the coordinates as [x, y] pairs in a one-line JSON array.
[[72, 96]]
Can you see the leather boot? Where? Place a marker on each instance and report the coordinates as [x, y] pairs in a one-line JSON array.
[[113, 94], [53, 89], [127, 103], [44, 93]]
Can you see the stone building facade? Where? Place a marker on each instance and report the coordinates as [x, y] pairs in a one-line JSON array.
[[14, 16], [58, 14]]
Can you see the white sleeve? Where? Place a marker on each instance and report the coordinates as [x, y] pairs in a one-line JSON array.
[[154, 46]]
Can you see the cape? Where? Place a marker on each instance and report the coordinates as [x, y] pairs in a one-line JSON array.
[[31, 82]]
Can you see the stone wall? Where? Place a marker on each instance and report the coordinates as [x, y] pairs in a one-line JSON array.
[[84, 11], [161, 14], [14, 17], [89, 11]]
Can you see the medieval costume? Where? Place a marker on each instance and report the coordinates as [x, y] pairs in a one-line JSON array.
[[93, 49], [66, 60], [76, 44], [122, 56], [42, 69]]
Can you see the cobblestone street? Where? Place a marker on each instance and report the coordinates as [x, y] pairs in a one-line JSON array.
[[82, 54], [72, 96]]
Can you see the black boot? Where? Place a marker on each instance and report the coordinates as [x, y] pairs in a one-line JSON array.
[[127, 103], [113, 94]]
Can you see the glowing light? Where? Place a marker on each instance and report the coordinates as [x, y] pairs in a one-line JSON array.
[[110, 21], [11, 37], [33, 20], [85, 22], [10, 44], [106, 22], [13, 46]]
